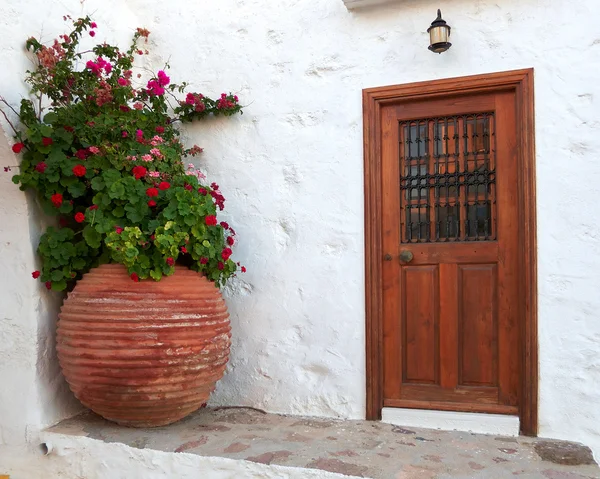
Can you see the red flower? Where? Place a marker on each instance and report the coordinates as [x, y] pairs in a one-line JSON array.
[[203, 260], [159, 129], [202, 191], [188, 187], [81, 154], [70, 129], [79, 170], [243, 269], [124, 108], [183, 249], [211, 220], [47, 141], [36, 274], [151, 203], [221, 266], [214, 186], [93, 207], [164, 185], [139, 172], [230, 240], [63, 221], [41, 167], [226, 253], [135, 277], [224, 224], [152, 192], [170, 261], [48, 284], [17, 147], [118, 229], [79, 217], [57, 199]]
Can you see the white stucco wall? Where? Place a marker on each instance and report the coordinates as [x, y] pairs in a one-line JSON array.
[[291, 168]]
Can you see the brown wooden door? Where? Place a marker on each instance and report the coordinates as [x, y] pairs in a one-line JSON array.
[[450, 243]]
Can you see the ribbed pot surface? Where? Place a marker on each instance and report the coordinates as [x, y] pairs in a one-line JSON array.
[[143, 354]]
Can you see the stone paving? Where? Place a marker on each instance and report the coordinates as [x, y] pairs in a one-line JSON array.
[[357, 448]]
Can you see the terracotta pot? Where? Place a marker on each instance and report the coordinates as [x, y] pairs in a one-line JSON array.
[[143, 354]]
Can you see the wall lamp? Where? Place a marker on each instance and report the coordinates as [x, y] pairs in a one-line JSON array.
[[439, 34]]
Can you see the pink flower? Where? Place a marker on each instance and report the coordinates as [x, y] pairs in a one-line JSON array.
[[118, 230], [147, 157], [155, 88], [190, 99], [154, 174], [163, 79], [124, 134], [138, 106], [156, 152], [94, 150], [156, 140]]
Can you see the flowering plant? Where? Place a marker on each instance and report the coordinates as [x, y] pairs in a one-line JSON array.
[[106, 158]]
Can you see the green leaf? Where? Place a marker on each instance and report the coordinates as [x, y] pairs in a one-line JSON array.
[[50, 118], [57, 275], [156, 274], [97, 183], [59, 285], [119, 212], [78, 263], [170, 212], [92, 237], [77, 189], [111, 176], [133, 214], [116, 190], [46, 130]]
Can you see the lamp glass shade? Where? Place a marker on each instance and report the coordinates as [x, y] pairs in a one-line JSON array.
[[438, 35]]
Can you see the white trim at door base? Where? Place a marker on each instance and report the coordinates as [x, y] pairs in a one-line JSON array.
[[498, 424]]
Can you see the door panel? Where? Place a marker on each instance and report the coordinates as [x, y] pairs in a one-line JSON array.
[[449, 233], [421, 324]]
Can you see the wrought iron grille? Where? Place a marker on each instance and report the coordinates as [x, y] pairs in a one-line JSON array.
[[448, 179]]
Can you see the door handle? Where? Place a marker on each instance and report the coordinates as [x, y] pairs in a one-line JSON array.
[[406, 256], [388, 257]]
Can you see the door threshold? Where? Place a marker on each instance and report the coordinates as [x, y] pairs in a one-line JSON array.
[[498, 424]]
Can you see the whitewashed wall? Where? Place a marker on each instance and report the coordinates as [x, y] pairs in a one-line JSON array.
[[291, 168]]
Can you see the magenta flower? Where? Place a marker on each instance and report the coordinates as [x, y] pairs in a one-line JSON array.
[[163, 79]]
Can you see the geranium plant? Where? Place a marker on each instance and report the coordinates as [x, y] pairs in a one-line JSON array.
[[101, 147]]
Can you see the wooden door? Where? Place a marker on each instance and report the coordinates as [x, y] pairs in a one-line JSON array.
[[450, 239]]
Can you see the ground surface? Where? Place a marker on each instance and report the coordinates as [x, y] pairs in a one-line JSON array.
[[357, 448]]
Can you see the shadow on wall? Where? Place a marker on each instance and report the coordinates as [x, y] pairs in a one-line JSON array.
[[36, 394]]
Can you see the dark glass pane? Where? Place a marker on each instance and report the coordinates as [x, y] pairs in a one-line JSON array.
[[479, 219], [447, 221]]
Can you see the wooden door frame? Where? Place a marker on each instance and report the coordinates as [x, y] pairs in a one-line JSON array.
[[521, 82]]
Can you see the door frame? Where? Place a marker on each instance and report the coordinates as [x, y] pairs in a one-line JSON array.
[[521, 83]]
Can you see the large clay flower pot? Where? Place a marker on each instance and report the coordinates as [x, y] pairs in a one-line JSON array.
[[143, 354]]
